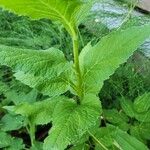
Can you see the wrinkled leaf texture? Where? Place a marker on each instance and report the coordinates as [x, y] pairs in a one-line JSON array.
[[45, 70]]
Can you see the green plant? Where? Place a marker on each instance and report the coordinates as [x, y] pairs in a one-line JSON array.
[[48, 71]]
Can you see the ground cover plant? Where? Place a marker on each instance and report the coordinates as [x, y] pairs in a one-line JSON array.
[[62, 92]]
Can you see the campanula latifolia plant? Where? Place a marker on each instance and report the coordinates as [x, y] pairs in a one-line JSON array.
[[73, 119]]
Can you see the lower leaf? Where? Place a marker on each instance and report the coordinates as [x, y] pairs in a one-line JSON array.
[[71, 121]]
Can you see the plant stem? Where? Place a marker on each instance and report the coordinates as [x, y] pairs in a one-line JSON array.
[[31, 131], [75, 41]]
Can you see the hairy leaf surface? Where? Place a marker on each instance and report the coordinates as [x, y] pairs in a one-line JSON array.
[[69, 12], [45, 70], [71, 121], [99, 62]]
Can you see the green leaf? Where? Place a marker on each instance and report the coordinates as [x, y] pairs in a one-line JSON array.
[[142, 103], [99, 62], [70, 13], [135, 131], [9, 143], [127, 106], [112, 138], [12, 122], [143, 117], [71, 121], [104, 137], [116, 118], [127, 142], [38, 112], [45, 70], [144, 130], [141, 131], [22, 97]]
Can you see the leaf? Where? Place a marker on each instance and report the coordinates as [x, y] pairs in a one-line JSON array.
[[99, 62], [70, 13], [127, 142], [9, 143], [143, 117], [142, 103], [38, 112], [144, 130], [141, 131], [104, 136], [111, 136], [71, 121], [45, 70], [21, 97], [12, 122], [116, 118], [127, 106], [135, 131]]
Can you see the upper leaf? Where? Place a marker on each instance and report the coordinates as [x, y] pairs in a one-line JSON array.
[[99, 62], [69, 12], [45, 70], [71, 121]]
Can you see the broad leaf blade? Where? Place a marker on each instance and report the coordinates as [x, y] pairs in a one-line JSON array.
[[71, 121], [70, 13], [45, 70], [99, 62]]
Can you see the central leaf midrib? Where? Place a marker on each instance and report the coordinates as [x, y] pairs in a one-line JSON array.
[[59, 15]]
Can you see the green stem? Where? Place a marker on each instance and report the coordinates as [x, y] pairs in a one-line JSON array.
[[75, 41], [31, 131]]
